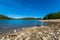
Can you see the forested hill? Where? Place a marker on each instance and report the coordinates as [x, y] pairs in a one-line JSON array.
[[52, 16], [4, 17], [29, 18], [47, 17]]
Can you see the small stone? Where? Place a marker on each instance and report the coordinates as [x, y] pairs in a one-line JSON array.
[[12, 35], [40, 33], [14, 31], [44, 38], [27, 38], [2, 38], [22, 33], [59, 30], [45, 32], [23, 28], [8, 39]]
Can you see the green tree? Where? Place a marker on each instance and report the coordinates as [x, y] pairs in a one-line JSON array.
[[52, 16], [3, 17]]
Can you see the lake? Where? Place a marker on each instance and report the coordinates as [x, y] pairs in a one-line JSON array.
[[6, 25]]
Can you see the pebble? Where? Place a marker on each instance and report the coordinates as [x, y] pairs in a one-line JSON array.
[[14, 31], [2, 38], [39, 32], [37, 35]]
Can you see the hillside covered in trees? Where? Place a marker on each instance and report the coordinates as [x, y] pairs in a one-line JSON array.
[[29, 18], [47, 17], [52, 16], [4, 17]]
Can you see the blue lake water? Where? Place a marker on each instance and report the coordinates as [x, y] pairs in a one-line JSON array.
[[13, 24]]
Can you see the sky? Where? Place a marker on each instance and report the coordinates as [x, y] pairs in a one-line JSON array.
[[28, 8]]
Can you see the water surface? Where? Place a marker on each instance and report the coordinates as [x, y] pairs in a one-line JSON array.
[[6, 25]]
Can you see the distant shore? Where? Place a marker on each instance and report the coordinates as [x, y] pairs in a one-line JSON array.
[[54, 20]]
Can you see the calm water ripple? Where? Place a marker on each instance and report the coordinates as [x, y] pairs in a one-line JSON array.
[[13, 24]]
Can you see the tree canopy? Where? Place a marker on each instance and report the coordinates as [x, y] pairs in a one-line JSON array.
[[52, 16], [30, 18], [26, 18], [4, 17]]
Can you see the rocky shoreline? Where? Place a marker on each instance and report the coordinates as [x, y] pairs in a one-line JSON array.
[[34, 33]]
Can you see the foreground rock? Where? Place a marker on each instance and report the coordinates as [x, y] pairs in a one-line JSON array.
[[34, 33]]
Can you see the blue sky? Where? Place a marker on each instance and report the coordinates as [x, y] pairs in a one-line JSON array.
[[28, 8]]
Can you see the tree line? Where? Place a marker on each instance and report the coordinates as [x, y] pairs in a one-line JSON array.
[[52, 16], [4, 17], [47, 17], [25, 18]]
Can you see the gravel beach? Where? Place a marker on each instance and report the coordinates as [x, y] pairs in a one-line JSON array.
[[34, 33]]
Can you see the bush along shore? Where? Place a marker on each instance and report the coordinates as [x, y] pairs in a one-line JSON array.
[[34, 33]]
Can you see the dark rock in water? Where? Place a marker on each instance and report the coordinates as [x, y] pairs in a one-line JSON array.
[[38, 25]]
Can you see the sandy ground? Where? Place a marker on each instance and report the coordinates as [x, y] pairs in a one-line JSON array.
[[57, 20]]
